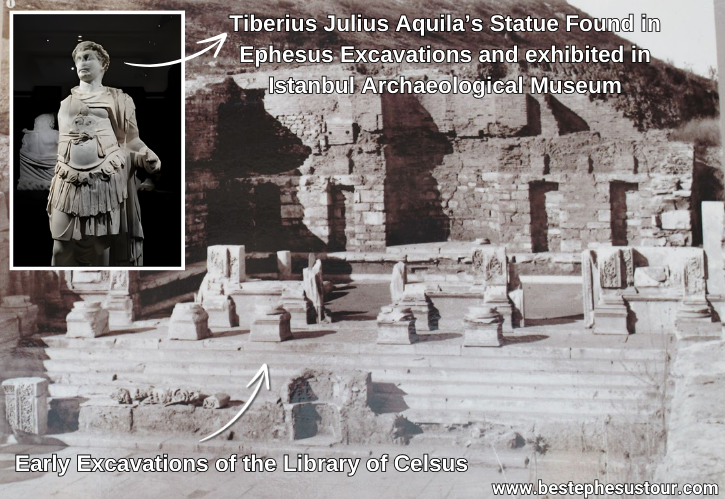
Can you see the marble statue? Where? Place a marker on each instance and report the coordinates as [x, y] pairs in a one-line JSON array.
[[95, 217], [38, 155]]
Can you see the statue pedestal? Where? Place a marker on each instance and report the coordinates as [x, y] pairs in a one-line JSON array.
[[483, 327], [221, 311], [87, 320], [189, 321], [396, 326], [120, 309], [273, 325], [610, 315], [300, 308], [693, 320]]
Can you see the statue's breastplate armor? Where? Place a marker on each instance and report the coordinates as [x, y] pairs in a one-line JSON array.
[[88, 140]]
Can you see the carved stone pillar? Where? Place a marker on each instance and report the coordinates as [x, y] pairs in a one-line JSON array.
[[490, 271], [26, 405], [616, 272], [225, 271], [119, 302], [694, 314]]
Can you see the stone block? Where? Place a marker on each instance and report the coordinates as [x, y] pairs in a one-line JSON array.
[[610, 316], [226, 262], [713, 235], [26, 312], [88, 319], [254, 298], [284, 265], [396, 326], [650, 277], [273, 325], [120, 309], [189, 321], [676, 220], [373, 218], [293, 300], [482, 327], [694, 320], [26, 405], [221, 311], [216, 401]]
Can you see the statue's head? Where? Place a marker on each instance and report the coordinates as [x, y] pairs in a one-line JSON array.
[[91, 60]]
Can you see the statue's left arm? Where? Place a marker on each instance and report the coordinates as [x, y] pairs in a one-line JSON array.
[[144, 157]]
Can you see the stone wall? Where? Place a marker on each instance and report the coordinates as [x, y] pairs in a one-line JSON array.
[[362, 172], [570, 192]]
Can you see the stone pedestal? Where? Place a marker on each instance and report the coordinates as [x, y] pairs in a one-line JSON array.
[[273, 325], [610, 315], [284, 265], [26, 312], [253, 298], [694, 321], [120, 309], [293, 300], [26, 405], [221, 311], [188, 321], [116, 289], [420, 304], [483, 327], [495, 296], [396, 326], [87, 320]]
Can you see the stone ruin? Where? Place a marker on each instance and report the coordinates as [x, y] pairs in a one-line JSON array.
[[335, 407], [534, 174], [314, 404], [26, 405], [649, 290]]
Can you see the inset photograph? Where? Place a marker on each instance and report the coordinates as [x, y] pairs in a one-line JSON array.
[[97, 177]]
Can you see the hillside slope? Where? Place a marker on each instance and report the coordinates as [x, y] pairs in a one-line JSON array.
[[656, 95]]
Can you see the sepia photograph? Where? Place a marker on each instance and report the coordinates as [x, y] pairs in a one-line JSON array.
[[443, 249]]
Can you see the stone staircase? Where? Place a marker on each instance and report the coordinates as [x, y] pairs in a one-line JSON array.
[[570, 378]]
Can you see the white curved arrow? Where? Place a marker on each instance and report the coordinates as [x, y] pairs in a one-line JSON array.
[[219, 42], [264, 374]]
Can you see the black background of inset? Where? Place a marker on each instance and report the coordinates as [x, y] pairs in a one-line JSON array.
[[43, 44]]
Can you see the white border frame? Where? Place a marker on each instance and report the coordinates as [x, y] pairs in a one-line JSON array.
[[183, 132]]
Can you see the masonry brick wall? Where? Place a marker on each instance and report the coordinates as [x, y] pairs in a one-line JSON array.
[[534, 173]]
